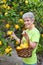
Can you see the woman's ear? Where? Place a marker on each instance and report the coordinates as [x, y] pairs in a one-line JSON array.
[[33, 19]]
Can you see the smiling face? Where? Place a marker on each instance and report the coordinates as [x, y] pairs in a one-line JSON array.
[[28, 22]]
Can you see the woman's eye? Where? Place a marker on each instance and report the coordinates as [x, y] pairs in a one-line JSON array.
[[27, 20]]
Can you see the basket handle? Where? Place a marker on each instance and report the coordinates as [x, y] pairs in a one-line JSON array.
[[21, 39]]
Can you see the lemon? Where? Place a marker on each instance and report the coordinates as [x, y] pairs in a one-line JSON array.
[[8, 7], [7, 25], [24, 45], [21, 20], [21, 13], [9, 46], [18, 47], [10, 49], [5, 13], [9, 32], [17, 26], [4, 1], [0, 43], [42, 35], [4, 6], [7, 50], [26, 2], [17, 42]]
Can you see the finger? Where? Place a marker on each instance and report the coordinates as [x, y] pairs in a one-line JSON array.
[[23, 32], [13, 33]]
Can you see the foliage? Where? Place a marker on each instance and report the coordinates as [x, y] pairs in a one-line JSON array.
[[11, 12]]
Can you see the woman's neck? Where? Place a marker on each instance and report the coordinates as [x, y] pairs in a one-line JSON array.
[[31, 27]]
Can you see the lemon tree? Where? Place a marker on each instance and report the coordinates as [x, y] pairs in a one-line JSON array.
[[11, 12]]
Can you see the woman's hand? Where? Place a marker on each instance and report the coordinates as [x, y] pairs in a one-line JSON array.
[[25, 35], [13, 35]]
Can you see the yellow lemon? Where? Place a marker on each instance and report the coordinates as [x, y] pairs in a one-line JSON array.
[[10, 49], [4, 6], [8, 7], [42, 35], [5, 13], [0, 43], [4, 1], [7, 25], [26, 2], [21, 13], [7, 50], [9, 46], [9, 32], [18, 47], [17, 26], [17, 42], [21, 20], [24, 45]]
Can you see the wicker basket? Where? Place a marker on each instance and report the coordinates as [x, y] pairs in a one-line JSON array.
[[25, 52]]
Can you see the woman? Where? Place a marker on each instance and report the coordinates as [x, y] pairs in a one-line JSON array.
[[30, 35]]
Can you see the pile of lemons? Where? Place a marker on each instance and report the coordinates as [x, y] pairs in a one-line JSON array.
[[22, 46]]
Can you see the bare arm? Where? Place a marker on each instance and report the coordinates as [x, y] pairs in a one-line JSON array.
[[32, 44], [15, 37]]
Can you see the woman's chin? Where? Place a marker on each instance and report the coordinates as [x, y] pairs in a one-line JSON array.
[[26, 27]]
